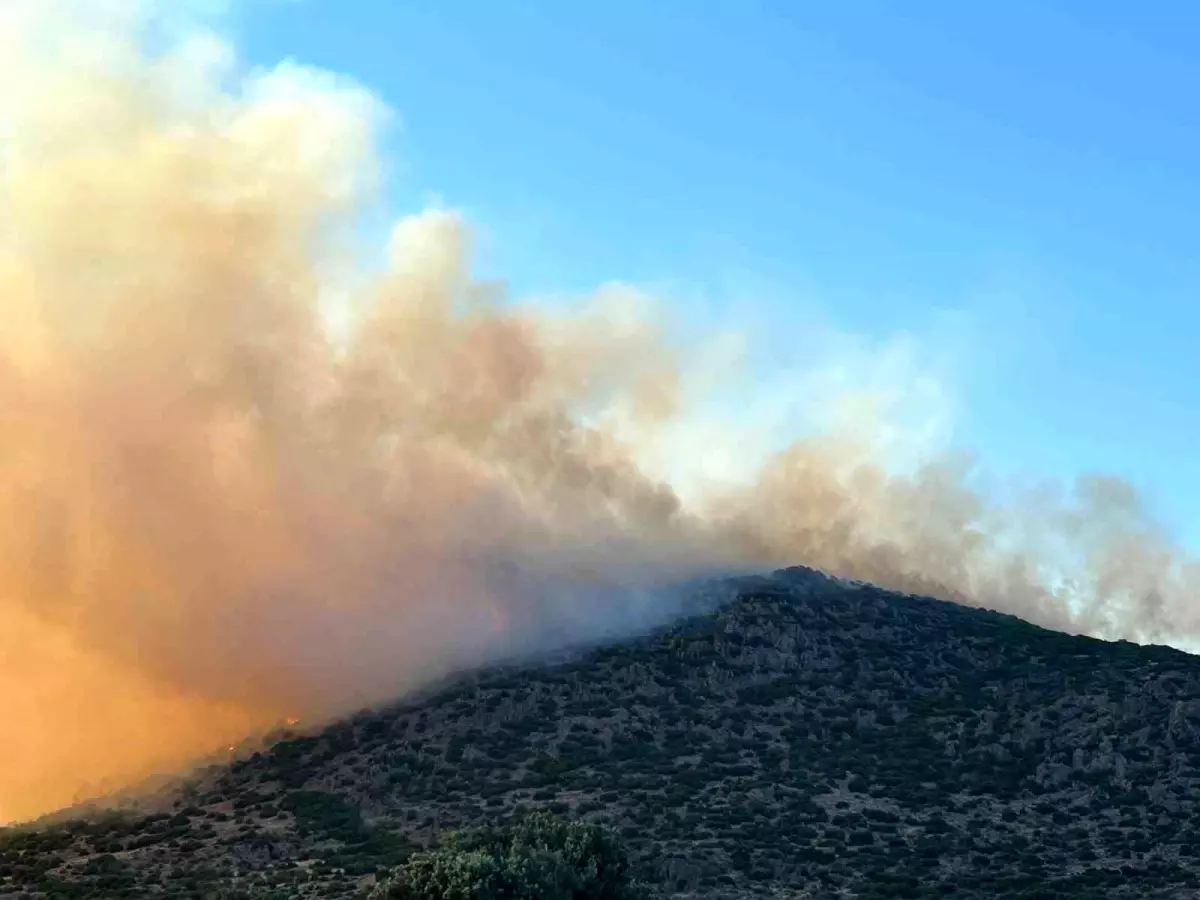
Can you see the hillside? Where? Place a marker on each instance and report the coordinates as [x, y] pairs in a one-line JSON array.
[[809, 738]]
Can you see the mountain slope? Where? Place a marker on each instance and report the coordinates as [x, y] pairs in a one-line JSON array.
[[809, 736]]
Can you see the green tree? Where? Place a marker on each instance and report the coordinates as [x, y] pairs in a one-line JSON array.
[[540, 857]]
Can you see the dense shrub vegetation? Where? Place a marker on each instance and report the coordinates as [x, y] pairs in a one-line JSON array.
[[540, 857], [809, 735]]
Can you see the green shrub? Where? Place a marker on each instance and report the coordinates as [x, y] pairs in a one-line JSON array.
[[540, 857]]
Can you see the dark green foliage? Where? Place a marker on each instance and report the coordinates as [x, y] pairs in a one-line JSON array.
[[539, 858], [324, 813]]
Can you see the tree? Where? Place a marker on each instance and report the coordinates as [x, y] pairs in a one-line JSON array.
[[540, 857]]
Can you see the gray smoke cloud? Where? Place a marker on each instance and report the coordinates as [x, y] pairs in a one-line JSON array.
[[219, 513]]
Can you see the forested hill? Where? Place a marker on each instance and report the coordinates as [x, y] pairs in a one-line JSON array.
[[811, 736]]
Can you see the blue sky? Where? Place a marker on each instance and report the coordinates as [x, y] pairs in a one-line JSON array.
[[1033, 166]]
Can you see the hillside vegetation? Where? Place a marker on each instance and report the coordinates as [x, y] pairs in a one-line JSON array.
[[810, 737]]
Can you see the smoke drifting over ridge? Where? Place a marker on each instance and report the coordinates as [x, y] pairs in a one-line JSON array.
[[216, 515]]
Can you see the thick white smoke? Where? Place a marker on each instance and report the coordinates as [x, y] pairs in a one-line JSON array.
[[216, 515]]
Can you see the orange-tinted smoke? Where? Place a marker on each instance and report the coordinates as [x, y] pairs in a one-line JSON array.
[[215, 515]]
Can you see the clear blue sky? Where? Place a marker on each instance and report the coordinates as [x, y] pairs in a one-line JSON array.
[[1034, 164]]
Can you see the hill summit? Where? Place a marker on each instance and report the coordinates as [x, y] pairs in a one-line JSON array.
[[803, 736]]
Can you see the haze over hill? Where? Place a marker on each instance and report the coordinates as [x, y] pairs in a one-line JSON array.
[[219, 513], [801, 736]]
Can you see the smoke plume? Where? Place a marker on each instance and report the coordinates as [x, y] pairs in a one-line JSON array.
[[218, 512]]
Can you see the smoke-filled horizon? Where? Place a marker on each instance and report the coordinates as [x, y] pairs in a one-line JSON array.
[[217, 514]]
